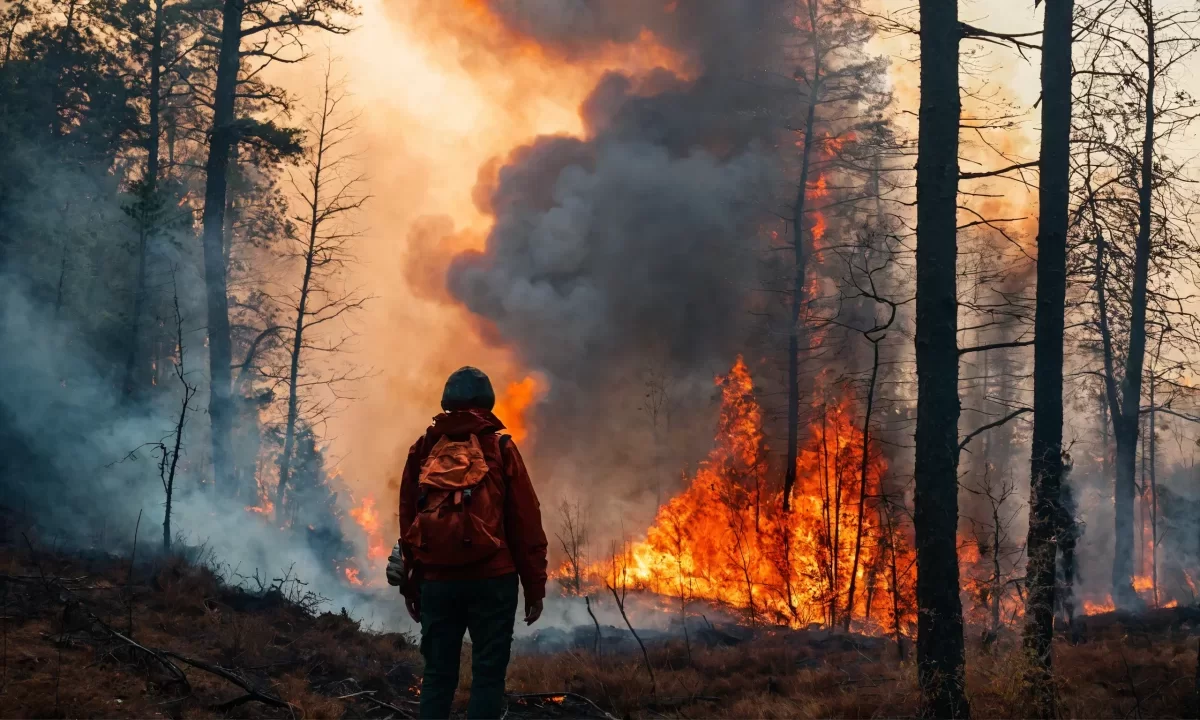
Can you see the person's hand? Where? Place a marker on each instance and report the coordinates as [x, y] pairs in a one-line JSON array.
[[533, 611], [414, 608]]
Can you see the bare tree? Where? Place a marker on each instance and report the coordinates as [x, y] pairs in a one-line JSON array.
[[271, 30], [1132, 210], [168, 460], [573, 538], [997, 552], [618, 585], [329, 191], [863, 278]]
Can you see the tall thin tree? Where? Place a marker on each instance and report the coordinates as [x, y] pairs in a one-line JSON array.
[[328, 192], [940, 647], [1046, 464]]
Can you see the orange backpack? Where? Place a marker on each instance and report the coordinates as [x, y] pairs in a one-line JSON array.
[[460, 511]]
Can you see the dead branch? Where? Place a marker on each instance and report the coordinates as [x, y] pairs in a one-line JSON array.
[[158, 656], [252, 693], [620, 599], [971, 435]]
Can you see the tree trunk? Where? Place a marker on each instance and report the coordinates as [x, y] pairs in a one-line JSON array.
[[150, 204], [297, 340], [862, 489], [1046, 463], [1131, 385], [1153, 473], [940, 662], [800, 274], [220, 406], [1123, 594]]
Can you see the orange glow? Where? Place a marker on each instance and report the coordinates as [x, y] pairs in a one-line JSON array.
[[1097, 608], [367, 518], [352, 576], [725, 539], [515, 401], [266, 507], [818, 189]]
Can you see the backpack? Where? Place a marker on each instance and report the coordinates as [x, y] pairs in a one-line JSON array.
[[460, 506]]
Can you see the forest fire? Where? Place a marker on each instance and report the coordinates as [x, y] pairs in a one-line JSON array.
[[838, 558], [513, 404]]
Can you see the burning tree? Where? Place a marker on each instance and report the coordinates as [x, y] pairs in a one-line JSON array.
[[742, 550]]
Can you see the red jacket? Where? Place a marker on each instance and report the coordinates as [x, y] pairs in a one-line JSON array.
[[526, 551]]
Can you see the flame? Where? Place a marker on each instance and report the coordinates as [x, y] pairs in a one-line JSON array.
[[352, 576], [818, 189], [726, 540], [367, 518], [265, 507], [515, 401]]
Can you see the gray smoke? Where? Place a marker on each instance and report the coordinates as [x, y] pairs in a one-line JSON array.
[[624, 265]]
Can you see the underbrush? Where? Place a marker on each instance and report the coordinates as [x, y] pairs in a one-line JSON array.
[[88, 637], [83, 636]]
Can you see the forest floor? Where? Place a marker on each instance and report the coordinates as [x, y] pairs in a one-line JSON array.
[[83, 639]]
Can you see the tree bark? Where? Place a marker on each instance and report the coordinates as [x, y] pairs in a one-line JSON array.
[[940, 661], [221, 140], [1126, 430], [1046, 463]]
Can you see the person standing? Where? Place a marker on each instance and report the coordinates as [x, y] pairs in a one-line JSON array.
[[470, 529]]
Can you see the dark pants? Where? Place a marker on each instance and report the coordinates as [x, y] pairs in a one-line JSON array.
[[487, 608]]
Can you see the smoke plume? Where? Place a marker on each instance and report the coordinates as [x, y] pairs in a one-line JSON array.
[[630, 253]]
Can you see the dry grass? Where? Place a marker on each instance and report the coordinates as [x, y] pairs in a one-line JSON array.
[[53, 665], [56, 664], [1118, 673]]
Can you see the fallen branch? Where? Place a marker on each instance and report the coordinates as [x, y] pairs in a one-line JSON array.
[[252, 693], [179, 675], [369, 696], [551, 695]]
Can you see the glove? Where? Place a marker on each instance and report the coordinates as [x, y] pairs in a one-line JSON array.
[[395, 566]]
